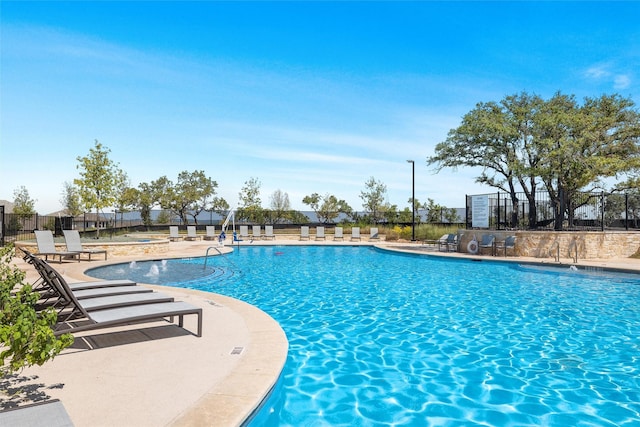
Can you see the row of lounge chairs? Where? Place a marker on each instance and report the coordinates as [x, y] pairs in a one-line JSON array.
[[99, 304], [210, 234], [47, 246], [338, 233], [449, 243]]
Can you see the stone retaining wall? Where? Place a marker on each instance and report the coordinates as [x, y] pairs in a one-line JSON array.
[[545, 244], [151, 247]]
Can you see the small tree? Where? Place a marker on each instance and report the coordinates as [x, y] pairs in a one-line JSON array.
[[373, 198], [26, 334], [192, 194], [100, 179], [164, 217], [390, 213], [327, 208], [250, 203], [280, 206], [437, 213], [24, 205], [70, 200]]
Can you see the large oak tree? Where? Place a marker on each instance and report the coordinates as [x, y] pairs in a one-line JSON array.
[[524, 142]]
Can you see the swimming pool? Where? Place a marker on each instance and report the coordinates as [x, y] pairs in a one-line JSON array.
[[380, 339]]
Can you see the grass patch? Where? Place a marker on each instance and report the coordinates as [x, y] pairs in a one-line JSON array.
[[423, 232]]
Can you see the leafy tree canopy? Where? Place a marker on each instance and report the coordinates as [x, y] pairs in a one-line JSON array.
[[328, 207], [71, 199], [280, 206], [250, 208], [23, 204], [373, 198], [100, 179], [525, 141], [192, 193]]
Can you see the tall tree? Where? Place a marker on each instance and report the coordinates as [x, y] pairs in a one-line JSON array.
[[99, 180], [525, 141], [498, 138], [373, 199], [583, 144]]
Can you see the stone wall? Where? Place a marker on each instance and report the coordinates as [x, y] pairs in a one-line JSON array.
[[152, 247], [545, 244]]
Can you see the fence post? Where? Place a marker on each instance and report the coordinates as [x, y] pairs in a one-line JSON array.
[[466, 211], [498, 222], [1, 225], [626, 211], [602, 210]]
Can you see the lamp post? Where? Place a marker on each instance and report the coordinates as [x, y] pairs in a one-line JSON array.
[[413, 199]]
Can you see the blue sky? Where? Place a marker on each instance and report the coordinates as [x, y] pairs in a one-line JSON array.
[[305, 96]]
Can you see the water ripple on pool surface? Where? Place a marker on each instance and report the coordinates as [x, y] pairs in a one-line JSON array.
[[381, 339]]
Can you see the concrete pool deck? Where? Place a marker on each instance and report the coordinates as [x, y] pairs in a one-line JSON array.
[[158, 374]]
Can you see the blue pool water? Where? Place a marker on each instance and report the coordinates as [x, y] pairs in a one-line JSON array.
[[385, 339]]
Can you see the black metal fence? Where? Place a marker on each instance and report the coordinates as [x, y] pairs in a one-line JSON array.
[[595, 211], [14, 227], [20, 227], [584, 211]]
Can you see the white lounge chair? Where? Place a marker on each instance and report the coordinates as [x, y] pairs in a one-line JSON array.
[[338, 233], [210, 233], [244, 231], [373, 233], [192, 233], [304, 232], [72, 240], [46, 246], [268, 232], [174, 233], [257, 232], [355, 233], [320, 233]]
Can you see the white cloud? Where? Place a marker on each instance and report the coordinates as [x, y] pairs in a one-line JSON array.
[[608, 73], [621, 81], [597, 72]]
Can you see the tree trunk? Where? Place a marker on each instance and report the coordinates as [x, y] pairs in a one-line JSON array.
[[97, 223]]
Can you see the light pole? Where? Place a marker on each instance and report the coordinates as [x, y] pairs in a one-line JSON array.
[[413, 199]]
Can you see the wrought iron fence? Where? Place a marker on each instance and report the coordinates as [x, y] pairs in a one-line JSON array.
[[584, 211]]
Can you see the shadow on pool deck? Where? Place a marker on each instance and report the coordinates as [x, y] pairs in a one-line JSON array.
[[160, 374]]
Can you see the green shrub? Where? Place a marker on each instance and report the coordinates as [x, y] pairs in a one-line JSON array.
[[26, 334]]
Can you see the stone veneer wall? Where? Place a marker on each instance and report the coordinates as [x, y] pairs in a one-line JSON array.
[[542, 244], [151, 247]]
